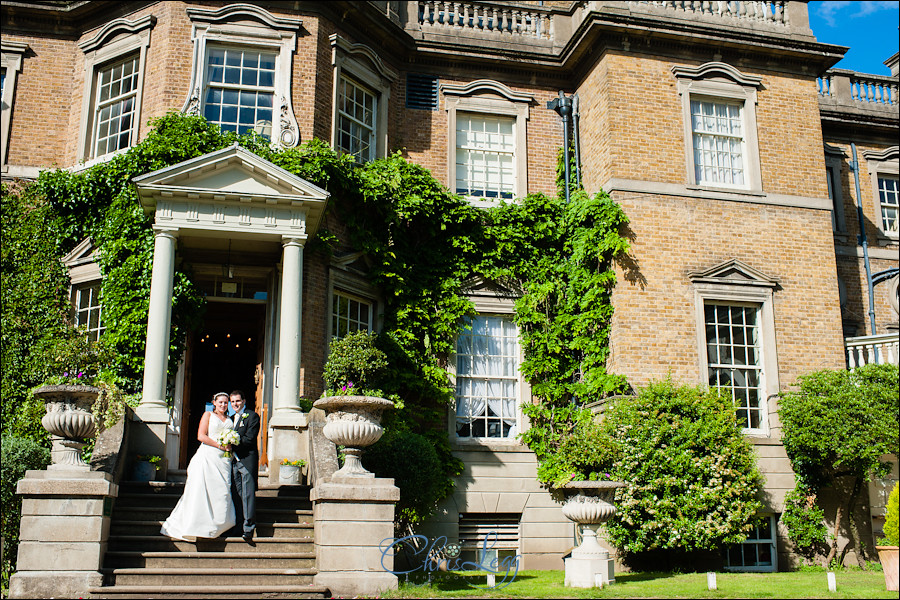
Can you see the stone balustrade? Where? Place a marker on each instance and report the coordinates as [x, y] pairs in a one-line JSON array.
[[773, 12], [860, 89], [485, 17], [872, 349]]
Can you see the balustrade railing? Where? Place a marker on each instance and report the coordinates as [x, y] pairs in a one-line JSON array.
[[477, 17], [849, 87], [872, 349], [772, 12]]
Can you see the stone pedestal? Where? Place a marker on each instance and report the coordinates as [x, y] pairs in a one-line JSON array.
[[354, 524], [63, 533], [584, 572], [291, 442]]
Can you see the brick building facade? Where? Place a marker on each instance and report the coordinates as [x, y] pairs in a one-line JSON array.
[[724, 136]]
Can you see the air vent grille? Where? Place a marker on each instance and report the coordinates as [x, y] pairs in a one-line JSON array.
[[421, 91]]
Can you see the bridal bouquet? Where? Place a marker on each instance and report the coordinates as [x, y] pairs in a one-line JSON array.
[[227, 437]]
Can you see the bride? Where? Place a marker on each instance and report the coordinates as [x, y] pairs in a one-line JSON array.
[[205, 509]]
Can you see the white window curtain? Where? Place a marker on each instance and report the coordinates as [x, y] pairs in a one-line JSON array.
[[487, 377]]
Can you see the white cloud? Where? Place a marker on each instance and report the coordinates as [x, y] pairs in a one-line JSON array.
[[833, 11]]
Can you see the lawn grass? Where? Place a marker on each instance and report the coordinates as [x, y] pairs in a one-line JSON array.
[[549, 584]]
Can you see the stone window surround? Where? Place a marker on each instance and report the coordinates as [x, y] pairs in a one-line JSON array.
[[11, 54], [247, 26], [117, 40], [362, 64], [758, 291], [350, 284], [489, 97], [721, 81], [490, 305], [886, 162], [834, 160]]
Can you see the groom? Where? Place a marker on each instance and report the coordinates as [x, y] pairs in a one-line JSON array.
[[245, 466]]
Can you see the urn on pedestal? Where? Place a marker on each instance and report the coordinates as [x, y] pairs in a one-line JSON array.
[[69, 422], [355, 423], [589, 504]]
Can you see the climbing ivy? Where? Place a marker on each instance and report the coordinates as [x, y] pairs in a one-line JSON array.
[[425, 246]]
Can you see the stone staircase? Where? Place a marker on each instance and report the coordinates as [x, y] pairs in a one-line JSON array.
[[142, 563]]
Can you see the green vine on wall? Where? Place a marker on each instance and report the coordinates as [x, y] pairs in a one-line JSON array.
[[425, 245]]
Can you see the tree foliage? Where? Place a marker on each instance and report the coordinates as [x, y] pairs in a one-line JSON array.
[[18, 455], [837, 425], [692, 475]]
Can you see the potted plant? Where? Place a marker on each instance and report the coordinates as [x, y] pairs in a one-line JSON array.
[[69, 395], [290, 470], [145, 467], [352, 405], [888, 551]]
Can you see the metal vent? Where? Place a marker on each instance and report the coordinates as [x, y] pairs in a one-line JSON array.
[[421, 91], [503, 529]]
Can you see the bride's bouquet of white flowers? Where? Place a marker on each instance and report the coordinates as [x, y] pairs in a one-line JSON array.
[[227, 437]]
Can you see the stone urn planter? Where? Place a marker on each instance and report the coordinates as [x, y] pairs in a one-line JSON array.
[[355, 423], [589, 504], [69, 422], [890, 563]]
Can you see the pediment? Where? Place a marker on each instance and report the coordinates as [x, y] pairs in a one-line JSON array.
[[229, 188], [480, 286], [83, 253], [733, 272]]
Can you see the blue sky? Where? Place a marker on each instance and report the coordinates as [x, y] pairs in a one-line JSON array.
[[869, 28]]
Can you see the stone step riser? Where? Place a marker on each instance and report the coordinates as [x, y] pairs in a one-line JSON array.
[[237, 594], [220, 577], [232, 545], [166, 503], [262, 530], [160, 514], [210, 563]]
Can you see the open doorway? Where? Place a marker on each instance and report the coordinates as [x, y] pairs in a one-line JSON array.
[[224, 356]]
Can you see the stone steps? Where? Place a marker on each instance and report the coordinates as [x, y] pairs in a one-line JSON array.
[[155, 560], [140, 562], [189, 592], [226, 575]]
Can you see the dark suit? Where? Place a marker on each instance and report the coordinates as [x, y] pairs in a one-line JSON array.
[[244, 471]]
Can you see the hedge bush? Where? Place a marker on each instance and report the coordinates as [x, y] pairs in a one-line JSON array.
[[18, 455]]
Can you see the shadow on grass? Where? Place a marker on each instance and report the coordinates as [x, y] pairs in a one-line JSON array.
[[456, 581], [642, 576]]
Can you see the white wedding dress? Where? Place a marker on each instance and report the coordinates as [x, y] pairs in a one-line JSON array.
[[205, 510]]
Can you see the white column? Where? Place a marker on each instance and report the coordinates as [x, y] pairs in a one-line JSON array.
[[153, 406], [287, 399]]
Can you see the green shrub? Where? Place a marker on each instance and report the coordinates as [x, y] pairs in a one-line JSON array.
[[891, 535], [18, 455], [805, 521], [691, 474], [354, 364], [411, 460]]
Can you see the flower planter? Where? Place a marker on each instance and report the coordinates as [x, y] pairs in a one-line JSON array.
[[355, 423], [890, 562], [589, 504], [144, 470], [69, 422], [289, 474]]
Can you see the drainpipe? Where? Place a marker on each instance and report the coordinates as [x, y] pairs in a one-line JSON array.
[[861, 239], [576, 117], [563, 107]]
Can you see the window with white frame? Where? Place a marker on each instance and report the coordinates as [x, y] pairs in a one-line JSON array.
[[733, 358], [357, 120], [349, 314], [115, 61], [487, 379], [718, 139], [115, 105], [719, 111], [884, 171], [241, 77], [11, 54], [757, 552], [888, 199], [88, 311], [833, 160], [487, 160], [485, 156], [240, 89], [362, 92], [736, 338]]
